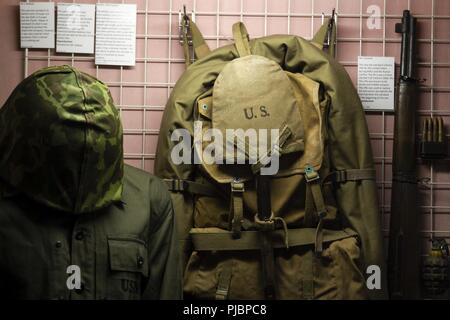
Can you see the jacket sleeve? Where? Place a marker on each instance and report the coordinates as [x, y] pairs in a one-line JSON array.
[[165, 276]]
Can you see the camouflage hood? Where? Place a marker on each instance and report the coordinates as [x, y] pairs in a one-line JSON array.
[[61, 141]]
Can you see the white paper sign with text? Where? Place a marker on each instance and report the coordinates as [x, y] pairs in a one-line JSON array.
[[116, 34], [75, 28], [37, 24], [376, 82]]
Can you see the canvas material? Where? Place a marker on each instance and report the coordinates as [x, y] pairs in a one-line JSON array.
[[345, 145], [337, 273], [304, 111], [247, 95]]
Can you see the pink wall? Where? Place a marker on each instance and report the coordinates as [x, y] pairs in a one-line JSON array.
[[141, 91], [11, 61]]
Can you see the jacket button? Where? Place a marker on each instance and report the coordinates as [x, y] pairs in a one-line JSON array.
[[58, 244], [140, 261], [79, 235]]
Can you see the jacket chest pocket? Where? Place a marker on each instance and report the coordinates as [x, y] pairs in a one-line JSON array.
[[128, 267]]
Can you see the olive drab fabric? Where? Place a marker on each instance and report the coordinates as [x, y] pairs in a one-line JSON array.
[[123, 251], [257, 84], [325, 226], [75, 222]]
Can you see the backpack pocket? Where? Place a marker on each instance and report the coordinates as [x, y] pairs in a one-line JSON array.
[[341, 265]]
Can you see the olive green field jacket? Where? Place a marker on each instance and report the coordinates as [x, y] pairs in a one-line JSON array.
[[124, 251]]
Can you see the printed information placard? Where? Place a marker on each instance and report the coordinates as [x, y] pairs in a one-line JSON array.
[[37, 24], [376, 82], [116, 34], [75, 28]]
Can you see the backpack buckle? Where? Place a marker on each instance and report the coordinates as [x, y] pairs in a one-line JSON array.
[[340, 176], [311, 174], [178, 185], [237, 186], [184, 27], [266, 224]]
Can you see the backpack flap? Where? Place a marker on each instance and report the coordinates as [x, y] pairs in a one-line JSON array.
[[253, 98]]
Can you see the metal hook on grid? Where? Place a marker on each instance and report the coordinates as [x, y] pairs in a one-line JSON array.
[[329, 34], [333, 15], [184, 29]]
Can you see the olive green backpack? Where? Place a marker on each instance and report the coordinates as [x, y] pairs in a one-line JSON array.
[[311, 229]]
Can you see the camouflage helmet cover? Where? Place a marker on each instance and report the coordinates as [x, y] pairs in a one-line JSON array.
[[61, 141]]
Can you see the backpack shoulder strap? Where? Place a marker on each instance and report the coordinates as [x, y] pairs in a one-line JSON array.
[[191, 36], [325, 37], [241, 39]]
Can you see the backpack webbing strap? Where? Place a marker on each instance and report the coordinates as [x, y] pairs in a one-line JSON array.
[[180, 185], [191, 36], [340, 176], [268, 265], [325, 37], [223, 285], [309, 208], [318, 239], [250, 151], [241, 39], [264, 159], [217, 239], [265, 220], [236, 208], [307, 267], [313, 181]]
